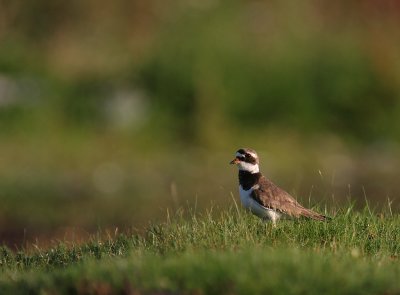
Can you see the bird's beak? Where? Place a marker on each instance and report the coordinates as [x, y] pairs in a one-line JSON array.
[[234, 161]]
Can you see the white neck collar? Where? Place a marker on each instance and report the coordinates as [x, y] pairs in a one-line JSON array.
[[252, 168]]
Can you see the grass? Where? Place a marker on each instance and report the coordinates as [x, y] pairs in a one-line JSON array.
[[230, 252]]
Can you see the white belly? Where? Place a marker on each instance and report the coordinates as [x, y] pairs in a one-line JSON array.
[[249, 203]]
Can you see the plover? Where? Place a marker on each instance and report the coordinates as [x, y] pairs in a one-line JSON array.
[[263, 198]]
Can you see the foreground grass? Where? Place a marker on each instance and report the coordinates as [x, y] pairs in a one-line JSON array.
[[232, 253]]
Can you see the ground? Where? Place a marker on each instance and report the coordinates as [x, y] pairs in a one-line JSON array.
[[229, 252]]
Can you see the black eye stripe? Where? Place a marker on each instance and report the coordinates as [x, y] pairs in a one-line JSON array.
[[249, 159], [246, 156]]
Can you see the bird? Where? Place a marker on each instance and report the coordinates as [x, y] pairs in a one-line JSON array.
[[261, 196]]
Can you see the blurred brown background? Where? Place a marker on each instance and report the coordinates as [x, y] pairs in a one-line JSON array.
[[113, 111]]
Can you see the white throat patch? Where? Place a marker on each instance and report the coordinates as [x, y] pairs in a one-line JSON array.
[[252, 168]]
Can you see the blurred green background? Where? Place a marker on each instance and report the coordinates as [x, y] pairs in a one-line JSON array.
[[113, 111]]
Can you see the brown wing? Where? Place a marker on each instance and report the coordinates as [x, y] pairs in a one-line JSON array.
[[271, 196]]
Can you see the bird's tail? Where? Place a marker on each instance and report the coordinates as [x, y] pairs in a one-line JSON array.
[[314, 215]]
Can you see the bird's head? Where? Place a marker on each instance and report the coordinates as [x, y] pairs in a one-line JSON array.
[[246, 160]]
